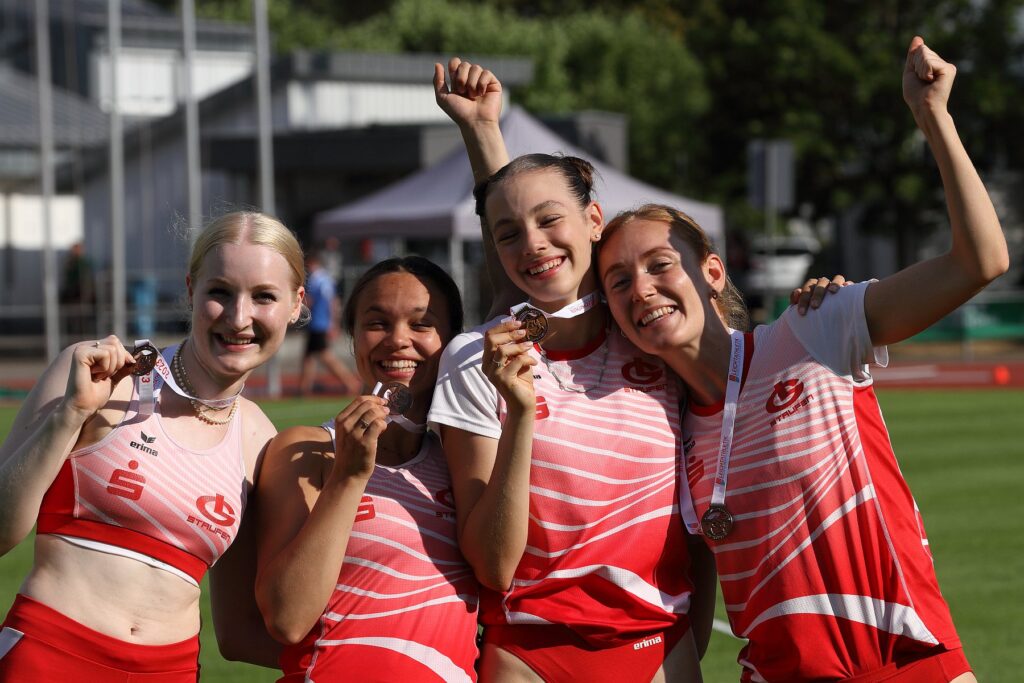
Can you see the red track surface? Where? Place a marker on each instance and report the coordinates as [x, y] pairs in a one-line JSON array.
[[924, 375]]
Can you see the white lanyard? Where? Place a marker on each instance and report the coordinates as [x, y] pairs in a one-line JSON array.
[[732, 394], [578, 307], [147, 389]]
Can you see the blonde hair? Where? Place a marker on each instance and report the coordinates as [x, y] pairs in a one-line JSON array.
[[250, 227], [729, 301]]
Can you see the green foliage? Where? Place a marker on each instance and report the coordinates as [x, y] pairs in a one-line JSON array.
[[700, 78], [583, 60]]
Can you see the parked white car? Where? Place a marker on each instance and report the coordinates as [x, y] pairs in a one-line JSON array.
[[781, 267]]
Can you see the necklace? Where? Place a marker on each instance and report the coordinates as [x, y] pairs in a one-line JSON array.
[[568, 386], [201, 409]]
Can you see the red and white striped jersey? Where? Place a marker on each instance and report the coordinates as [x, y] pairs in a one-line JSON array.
[[405, 605], [606, 551], [827, 570], [139, 493]]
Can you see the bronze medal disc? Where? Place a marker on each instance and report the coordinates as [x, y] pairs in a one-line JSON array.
[[398, 397], [716, 523], [145, 359], [534, 322]]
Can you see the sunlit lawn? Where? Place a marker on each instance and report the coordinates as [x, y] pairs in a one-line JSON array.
[[961, 451]]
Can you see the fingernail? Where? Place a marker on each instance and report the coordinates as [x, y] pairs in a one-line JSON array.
[[518, 333], [833, 288]]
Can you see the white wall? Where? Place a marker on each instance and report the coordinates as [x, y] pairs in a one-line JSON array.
[[150, 79]]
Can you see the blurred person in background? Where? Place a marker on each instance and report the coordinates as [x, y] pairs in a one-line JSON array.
[[78, 292], [324, 304]]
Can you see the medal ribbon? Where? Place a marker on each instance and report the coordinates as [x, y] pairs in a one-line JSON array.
[[400, 420], [578, 307], [732, 394], [147, 388]]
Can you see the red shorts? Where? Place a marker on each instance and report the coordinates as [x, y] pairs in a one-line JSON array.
[[556, 653], [38, 643], [940, 667]]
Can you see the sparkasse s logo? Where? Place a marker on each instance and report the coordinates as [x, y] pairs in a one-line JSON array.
[[785, 394], [366, 510]]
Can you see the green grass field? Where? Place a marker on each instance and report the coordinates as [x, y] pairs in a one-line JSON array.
[[961, 451]]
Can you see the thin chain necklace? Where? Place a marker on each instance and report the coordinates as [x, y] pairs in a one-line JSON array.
[[576, 388], [201, 409]]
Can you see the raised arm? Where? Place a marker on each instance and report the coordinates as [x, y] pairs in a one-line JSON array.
[[308, 501], [473, 102], [907, 302], [69, 394]]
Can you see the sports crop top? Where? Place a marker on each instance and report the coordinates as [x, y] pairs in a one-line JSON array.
[[139, 493]]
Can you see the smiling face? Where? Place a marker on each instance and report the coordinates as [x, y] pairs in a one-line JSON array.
[[658, 292], [243, 298], [401, 326], [543, 237]]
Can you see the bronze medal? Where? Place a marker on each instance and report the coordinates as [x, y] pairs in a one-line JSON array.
[[145, 359], [534, 322], [716, 523], [398, 398]]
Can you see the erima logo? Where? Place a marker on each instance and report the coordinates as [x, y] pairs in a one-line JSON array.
[[647, 642], [146, 440]]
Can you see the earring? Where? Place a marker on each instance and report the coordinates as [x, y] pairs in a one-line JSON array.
[[714, 294]]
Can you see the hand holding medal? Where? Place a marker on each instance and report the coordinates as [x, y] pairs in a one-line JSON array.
[[398, 400]]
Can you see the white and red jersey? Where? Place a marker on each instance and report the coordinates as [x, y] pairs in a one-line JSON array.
[[405, 605], [827, 570], [139, 493], [606, 551]]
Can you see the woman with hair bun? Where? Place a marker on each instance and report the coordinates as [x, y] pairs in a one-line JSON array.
[[563, 438], [562, 442], [136, 466]]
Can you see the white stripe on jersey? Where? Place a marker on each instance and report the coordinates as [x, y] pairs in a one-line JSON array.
[[653, 514], [667, 480], [593, 476], [394, 573], [896, 619], [388, 596], [383, 540], [615, 455], [862, 496], [623, 578], [554, 526], [459, 598], [428, 656]]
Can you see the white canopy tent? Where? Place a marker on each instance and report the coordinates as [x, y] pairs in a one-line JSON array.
[[437, 202]]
